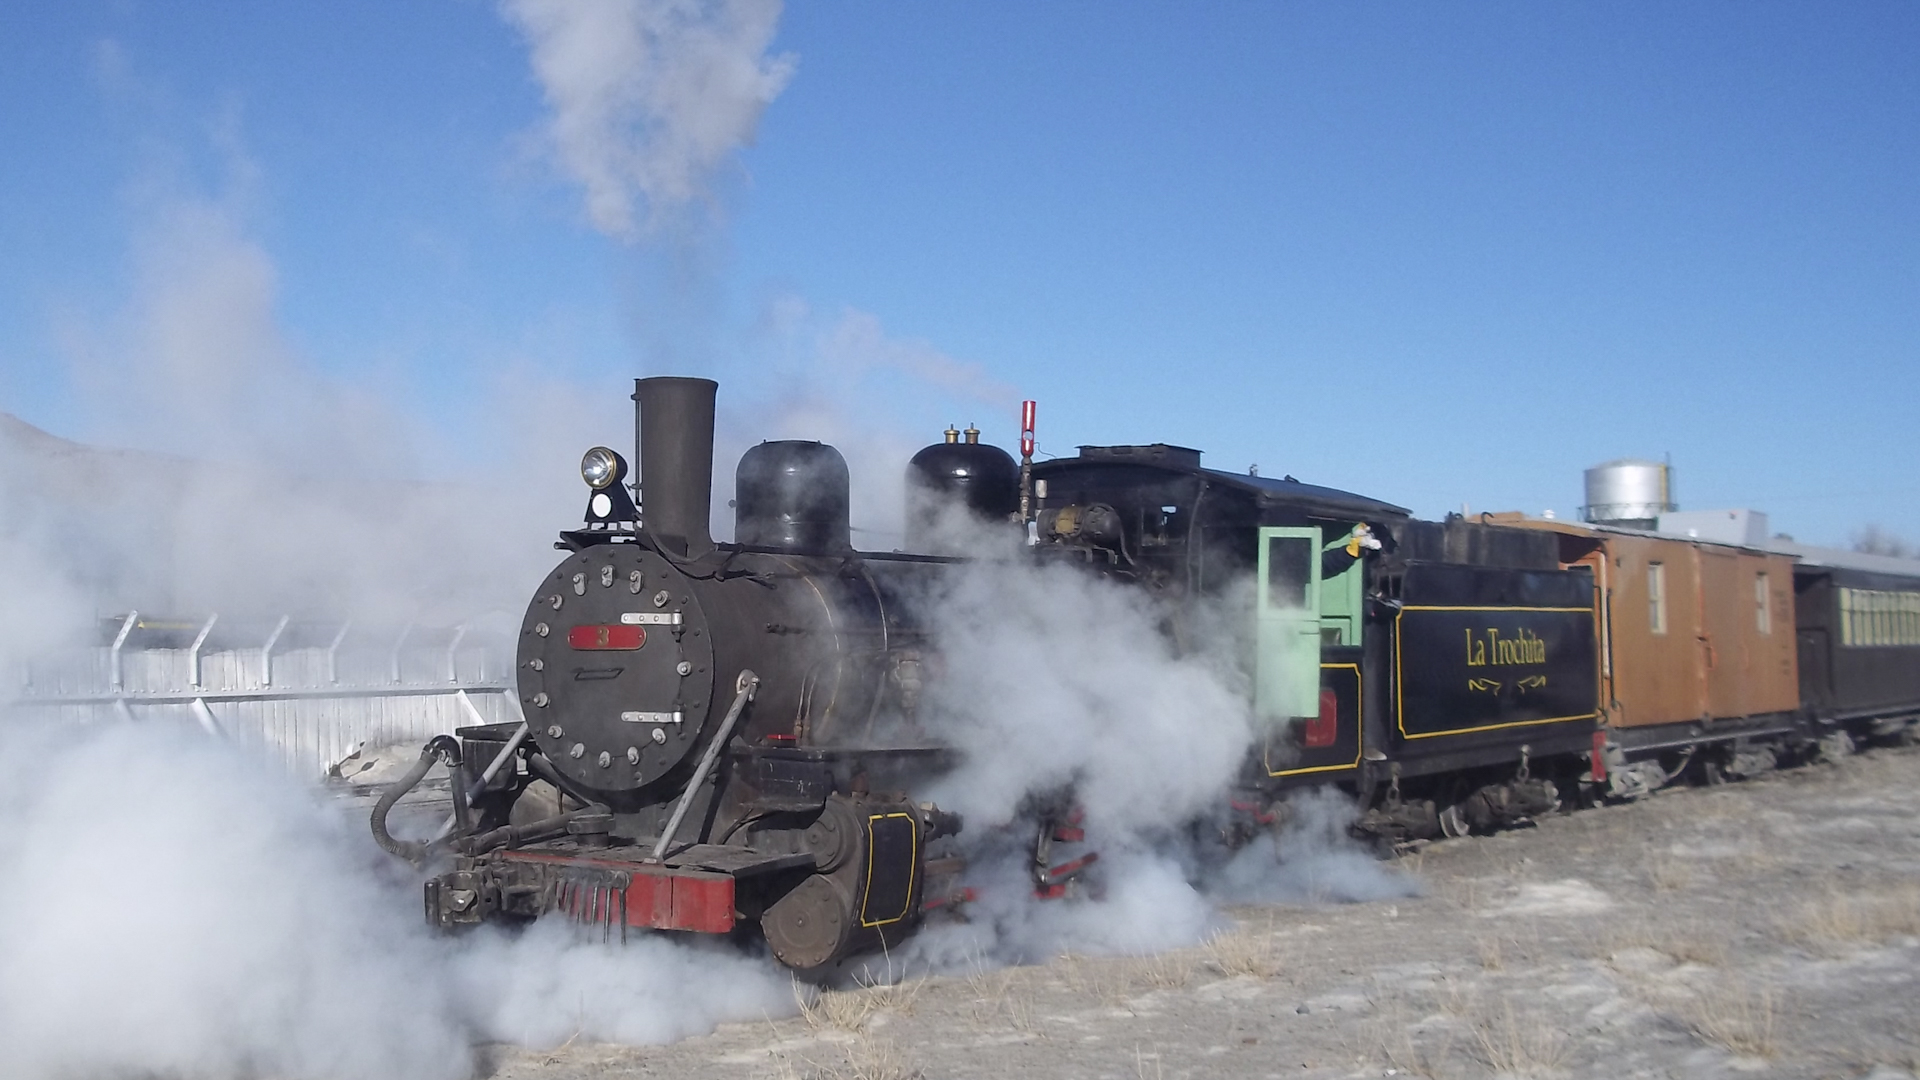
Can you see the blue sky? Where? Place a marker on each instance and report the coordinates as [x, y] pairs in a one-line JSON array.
[[1439, 254]]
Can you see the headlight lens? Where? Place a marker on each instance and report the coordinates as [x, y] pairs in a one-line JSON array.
[[600, 468]]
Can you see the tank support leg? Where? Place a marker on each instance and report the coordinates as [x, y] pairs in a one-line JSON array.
[[744, 686]]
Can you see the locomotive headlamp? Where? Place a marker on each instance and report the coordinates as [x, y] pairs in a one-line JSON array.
[[602, 468], [609, 503]]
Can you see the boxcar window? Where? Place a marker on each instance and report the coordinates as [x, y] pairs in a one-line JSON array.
[[1762, 618], [1657, 597], [1289, 571]]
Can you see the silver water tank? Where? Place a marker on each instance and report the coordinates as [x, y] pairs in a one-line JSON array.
[[1629, 493]]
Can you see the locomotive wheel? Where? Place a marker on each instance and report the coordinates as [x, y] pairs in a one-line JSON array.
[[1453, 820], [809, 927]]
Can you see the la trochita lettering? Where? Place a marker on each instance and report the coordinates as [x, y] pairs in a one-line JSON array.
[[1489, 649]]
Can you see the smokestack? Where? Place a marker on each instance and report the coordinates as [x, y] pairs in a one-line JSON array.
[[674, 442]]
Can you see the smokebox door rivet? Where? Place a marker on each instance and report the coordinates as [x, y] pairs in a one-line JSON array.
[[554, 601], [578, 750], [683, 667], [579, 586], [555, 731], [541, 629], [540, 699], [633, 755], [660, 598], [659, 735]]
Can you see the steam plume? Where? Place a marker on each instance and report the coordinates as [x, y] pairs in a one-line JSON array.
[[649, 97], [1056, 681], [202, 916]]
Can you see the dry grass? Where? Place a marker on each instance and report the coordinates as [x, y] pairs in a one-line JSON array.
[[1734, 1017], [1669, 874], [1754, 860], [1838, 920], [998, 997], [1021, 1014], [869, 1057], [1492, 954], [1164, 971], [985, 982], [1392, 1041], [1455, 999], [1104, 980], [1514, 1043], [843, 1010], [1685, 943], [1245, 952], [897, 997], [850, 1010], [865, 1057]]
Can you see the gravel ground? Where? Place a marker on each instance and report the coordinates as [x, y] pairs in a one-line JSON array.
[[1769, 928]]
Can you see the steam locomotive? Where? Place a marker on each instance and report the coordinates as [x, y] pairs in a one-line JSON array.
[[727, 737]]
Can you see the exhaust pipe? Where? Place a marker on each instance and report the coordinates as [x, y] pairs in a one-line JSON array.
[[673, 441]]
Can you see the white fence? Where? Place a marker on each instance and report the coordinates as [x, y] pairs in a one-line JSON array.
[[308, 692]]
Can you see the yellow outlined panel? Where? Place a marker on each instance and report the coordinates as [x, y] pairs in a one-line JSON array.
[[1399, 683], [913, 868]]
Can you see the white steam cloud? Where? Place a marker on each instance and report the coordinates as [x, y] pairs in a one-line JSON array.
[[1056, 678], [857, 342], [178, 908], [1056, 683], [650, 97]]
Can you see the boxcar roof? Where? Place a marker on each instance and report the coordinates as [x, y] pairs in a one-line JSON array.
[[1594, 529]]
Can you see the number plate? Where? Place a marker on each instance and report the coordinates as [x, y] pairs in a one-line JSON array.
[[606, 637]]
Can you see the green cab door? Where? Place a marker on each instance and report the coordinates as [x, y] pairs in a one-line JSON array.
[[1287, 624]]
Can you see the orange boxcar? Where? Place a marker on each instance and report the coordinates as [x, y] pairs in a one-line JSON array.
[[1697, 638]]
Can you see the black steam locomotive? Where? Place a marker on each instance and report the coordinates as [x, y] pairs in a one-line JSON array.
[[726, 732], [722, 736]]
